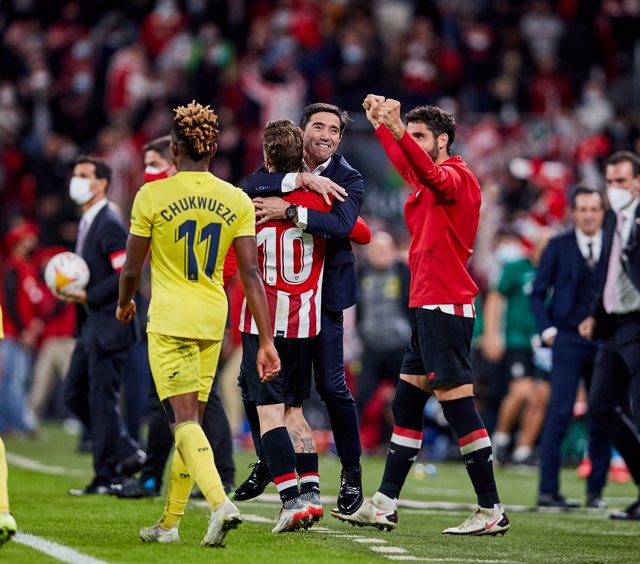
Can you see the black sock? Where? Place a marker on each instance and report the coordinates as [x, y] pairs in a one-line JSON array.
[[281, 458], [475, 447], [307, 469], [408, 406]]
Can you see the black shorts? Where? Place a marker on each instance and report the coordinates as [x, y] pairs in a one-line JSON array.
[[293, 385], [440, 348], [518, 363]]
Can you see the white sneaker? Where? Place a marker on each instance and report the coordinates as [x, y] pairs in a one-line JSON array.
[[8, 527], [222, 520], [292, 519], [312, 502], [157, 534], [483, 521], [372, 515]]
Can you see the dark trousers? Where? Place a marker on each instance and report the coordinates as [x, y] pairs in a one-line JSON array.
[[573, 359], [377, 365], [328, 367], [92, 394], [616, 377], [214, 424]]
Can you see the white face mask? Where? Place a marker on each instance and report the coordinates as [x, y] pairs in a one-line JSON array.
[[508, 252], [619, 198], [80, 190]]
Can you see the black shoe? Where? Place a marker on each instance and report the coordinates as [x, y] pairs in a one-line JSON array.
[[557, 500], [136, 488], [350, 496], [501, 454], [255, 484], [96, 488], [631, 513], [594, 501], [132, 464]]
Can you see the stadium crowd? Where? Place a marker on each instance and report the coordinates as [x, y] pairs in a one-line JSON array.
[[543, 92]]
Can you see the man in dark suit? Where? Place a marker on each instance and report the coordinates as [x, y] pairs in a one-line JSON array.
[[570, 270], [616, 319], [328, 173], [92, 385]]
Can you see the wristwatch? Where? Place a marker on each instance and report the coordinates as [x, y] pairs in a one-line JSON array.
[[291, 212]]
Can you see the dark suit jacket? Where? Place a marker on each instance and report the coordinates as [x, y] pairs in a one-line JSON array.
[[340, 285], [630, 263], [560, 268], [106, 237]]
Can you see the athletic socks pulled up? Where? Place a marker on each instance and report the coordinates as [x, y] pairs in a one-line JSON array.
[[475, 447], [280, 457], [407, 406], [307, 469], [195, 450]]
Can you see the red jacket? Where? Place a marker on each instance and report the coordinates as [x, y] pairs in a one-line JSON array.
[[22, 295], [442, 217]]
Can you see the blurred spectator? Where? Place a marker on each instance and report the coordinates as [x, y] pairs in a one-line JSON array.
[[383, 319], [21, 301], [57, 343], [509, 327]]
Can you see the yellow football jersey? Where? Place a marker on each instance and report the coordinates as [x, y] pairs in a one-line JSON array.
[[1, 326], [192, 218]]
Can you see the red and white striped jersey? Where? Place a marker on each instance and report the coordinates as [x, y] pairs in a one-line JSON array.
[[292, 263]]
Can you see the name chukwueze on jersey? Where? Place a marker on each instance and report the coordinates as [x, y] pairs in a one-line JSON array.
[[198, 202]]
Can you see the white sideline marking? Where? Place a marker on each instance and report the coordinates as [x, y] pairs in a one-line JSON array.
[[388, 549], [255, 518], [55, 550], [30, 464], [366, 540], [424, 559]]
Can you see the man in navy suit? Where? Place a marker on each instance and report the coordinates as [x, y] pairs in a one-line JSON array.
[[92, 385], [616, 319], [570, 270], [328, 173]]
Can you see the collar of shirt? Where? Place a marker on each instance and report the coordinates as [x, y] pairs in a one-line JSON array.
[[319, 169], [629, 215], [583, 243], [89, 215]]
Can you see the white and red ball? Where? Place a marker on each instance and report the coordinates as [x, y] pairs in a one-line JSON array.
[[66, 271]]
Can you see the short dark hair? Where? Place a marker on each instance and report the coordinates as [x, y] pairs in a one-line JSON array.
[[160, 145], [437, 121], [282, 145], [584, 189], [103, 168], [625, 156], [311, 109]]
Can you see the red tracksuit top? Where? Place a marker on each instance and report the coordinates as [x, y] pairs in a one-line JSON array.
[[442, 216]]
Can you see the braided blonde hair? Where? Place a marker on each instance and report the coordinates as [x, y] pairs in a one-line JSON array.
[[196, 127]]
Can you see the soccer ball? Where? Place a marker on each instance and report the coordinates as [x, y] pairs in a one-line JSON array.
[[66, 271]]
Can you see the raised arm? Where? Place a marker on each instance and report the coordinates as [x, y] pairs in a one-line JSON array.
[[443, 181]]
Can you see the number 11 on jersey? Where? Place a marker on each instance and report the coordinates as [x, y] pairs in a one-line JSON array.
[[210, 235]]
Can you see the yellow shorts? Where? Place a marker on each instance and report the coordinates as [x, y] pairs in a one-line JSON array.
[[181, 366]]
